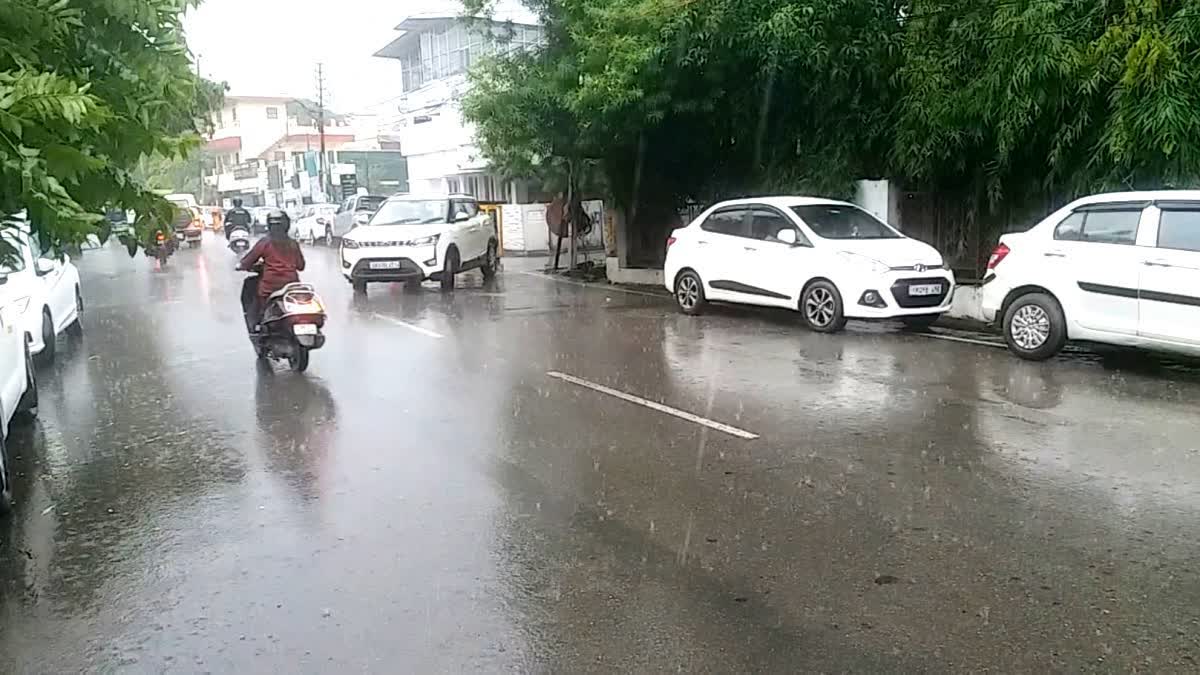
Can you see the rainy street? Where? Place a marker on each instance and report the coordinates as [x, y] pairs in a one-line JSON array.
[[538, 476]]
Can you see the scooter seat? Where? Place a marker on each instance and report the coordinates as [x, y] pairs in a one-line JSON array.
[[294, 286]]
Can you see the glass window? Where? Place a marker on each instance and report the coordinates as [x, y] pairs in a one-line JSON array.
[[1070, 228], [272, 113], [1111, 226], [842, 221], [369, 203], [765, 224], [1180, 229], [727, 221]]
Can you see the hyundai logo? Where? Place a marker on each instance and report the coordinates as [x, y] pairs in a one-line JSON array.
[[919, 267]]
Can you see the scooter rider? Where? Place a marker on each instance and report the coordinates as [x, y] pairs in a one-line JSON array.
[[237, 217], [281, 259]]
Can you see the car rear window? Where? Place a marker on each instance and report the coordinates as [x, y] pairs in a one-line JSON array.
[[369, 204]]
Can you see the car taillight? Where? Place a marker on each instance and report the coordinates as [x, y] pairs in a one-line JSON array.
[[998, 256], [670, 240]]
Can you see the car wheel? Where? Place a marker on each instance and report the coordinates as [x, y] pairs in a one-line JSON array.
[[689, 293], [921, 322], [491, 261], [821, 306], [450, 269], [329, 236], [6, 495], [1035, 327], [47, 355], [76, 327], [359, 285], [28, 405]]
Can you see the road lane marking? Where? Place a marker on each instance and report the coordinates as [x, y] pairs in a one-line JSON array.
[[411, 326], [969, 341], [599, 287], [681, 414]]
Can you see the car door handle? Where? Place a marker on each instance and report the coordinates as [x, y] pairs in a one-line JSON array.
[[1055, 254], [1157, 263], [749, 248], [702, 242]]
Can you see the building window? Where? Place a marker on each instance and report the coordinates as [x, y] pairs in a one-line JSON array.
[[272, 113], [233, 113], [220, 120], [280, 156]]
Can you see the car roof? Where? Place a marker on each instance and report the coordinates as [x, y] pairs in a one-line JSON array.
[[428, 197], [783, 201], [1138, 196]]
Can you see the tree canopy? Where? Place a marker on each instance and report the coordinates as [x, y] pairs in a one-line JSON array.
[[998, 103], [88, 88]]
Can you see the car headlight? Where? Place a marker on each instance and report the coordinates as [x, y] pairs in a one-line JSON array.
[[867, 261], [424, 241], [21, 304], [349, 243]]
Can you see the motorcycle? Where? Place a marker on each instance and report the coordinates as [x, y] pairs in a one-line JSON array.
[[291, 322], [239, 240], [161, 248]]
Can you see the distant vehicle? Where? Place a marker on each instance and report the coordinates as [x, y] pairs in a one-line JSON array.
[[315, 223], [182, 198], [259, 213], [829, 260], [413, 238], [1120, 268], [119, 222], [355, 211], [18, 378]]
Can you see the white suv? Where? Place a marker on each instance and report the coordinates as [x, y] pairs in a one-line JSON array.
[[1120, 268], [412, 238], [830, 260]]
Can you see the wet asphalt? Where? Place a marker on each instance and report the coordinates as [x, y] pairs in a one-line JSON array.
[[428, 499]]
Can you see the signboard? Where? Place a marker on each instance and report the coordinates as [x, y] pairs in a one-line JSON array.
[[349, 185], [245, 170]]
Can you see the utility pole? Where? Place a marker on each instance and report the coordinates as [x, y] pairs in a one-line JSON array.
[[321, 129]]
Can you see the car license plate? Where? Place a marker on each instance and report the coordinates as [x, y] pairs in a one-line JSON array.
[[386, 265], [924, 289], [305, 329]]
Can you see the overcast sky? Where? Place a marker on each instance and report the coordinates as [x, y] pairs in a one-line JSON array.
[[271, 47]]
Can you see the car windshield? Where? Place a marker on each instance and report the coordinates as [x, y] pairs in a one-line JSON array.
[[841, 221], [370, 204], [411, 212]]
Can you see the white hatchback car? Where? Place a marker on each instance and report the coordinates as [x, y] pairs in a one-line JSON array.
[[315, 224], [18, 379], [1120, 268], [413, 238], [830, 260], [45, 292]]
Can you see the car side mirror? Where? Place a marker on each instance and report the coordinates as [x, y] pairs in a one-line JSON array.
[[461, 216], [362, 219], [787, 236], [43, 266], [3, 278]]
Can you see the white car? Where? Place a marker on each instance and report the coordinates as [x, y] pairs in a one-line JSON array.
[[830, 260], [413, 238], [45, 292], [316, 223], [354, 211], [18, 380], [1121, 269]]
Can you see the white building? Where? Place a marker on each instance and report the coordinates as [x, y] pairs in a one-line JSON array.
[[434, 53]]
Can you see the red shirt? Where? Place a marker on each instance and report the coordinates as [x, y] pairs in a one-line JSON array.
[[282, 260]]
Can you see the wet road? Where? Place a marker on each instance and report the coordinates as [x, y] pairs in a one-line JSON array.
[[429, 499]]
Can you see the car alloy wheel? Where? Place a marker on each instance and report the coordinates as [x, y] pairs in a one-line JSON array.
[[820, 307], [688, 292], [1030, 327]]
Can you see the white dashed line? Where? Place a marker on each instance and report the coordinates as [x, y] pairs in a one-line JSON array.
[[969, 341], [681, 414], [411, 326]]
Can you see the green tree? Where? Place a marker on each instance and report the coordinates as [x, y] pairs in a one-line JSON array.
[[88, 88]]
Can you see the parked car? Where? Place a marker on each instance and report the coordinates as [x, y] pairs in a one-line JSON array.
[[414, 238], [45, 291], [315, 223], [259, 224], [355, 211], [830, 260], [1121, 269], [18, 379]]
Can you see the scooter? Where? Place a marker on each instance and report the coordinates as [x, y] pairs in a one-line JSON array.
[[291, 323], [239, 240], [161, 248]]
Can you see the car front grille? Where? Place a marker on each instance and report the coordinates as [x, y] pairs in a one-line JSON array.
[[916, 268], [903, 299], [408, 268], [381, 244]]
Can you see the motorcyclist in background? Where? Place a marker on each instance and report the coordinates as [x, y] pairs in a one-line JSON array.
[[282, 260], [237, 217]]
